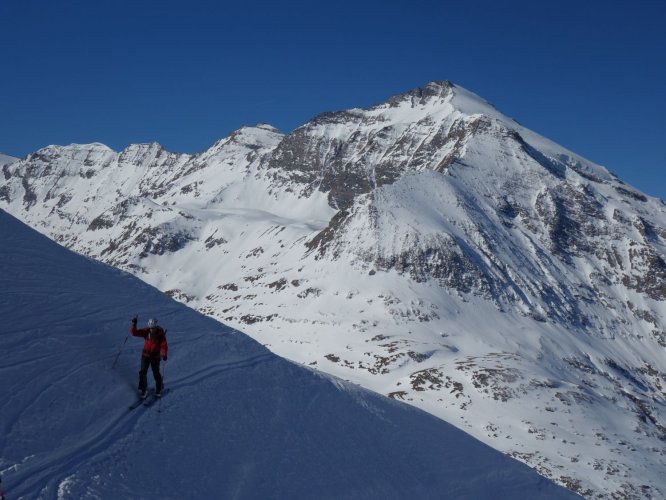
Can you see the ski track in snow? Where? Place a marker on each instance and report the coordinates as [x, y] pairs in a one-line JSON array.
[[44, 477]]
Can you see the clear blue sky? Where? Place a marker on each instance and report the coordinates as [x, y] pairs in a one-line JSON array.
[[590, 75]]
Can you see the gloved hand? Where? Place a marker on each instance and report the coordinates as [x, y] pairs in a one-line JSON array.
[[164, 358], [135, 319]]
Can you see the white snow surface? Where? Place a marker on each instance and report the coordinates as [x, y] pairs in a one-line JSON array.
[[6, 159], [429, 248], [239, 422]]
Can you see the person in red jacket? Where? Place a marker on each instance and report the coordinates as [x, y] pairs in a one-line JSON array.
[[154, 347]]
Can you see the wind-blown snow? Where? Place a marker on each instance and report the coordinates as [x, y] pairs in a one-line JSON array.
[[239, 422]]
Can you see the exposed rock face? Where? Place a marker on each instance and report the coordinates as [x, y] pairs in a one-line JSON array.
[[348, 153], [429, 248]]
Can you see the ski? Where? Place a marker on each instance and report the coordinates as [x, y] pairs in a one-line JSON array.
[[139, 402], [152, 399], [136, 404]]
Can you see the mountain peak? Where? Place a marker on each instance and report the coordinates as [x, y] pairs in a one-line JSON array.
[[436, 88], [259, 136], [143, 146], [56, 148], [267, 126]]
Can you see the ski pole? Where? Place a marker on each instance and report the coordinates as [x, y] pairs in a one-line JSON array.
[[119, 351], [159, 407]]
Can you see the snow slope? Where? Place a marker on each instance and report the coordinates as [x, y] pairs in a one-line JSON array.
[[240, 422]]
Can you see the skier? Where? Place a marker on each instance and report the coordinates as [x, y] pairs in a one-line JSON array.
[[154, 345]]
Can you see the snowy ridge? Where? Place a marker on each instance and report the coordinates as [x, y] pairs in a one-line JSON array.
[[6, 159], [238, 422], [428, 248]]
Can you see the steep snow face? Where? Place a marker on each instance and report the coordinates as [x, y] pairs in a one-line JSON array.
[[238, 421], [428, 248], [517, 228]]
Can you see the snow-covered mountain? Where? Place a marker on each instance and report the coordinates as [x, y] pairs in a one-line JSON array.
[[428, 248], [239, 421], [6, 159]]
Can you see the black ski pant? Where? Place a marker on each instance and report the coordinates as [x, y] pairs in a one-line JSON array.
[[154, 363]]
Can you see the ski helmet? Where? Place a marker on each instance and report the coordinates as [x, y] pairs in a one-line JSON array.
[[152, 323]]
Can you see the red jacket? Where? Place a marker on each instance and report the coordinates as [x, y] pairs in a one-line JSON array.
[[154, 344]]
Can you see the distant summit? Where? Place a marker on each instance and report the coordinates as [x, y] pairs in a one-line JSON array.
[[437, 88]]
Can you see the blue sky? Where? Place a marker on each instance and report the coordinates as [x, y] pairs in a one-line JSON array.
[[589, 75]]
